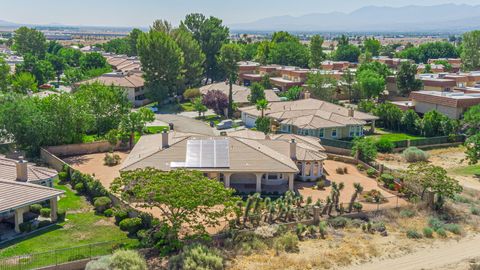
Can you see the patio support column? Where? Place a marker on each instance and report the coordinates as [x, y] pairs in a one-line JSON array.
[[372, 129], [259, 182], [226, 179], [312, 167], [320, 168], [291, 180], [304, 166], [53, 209], [18, 218]]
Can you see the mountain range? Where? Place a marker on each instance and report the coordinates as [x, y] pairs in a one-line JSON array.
[[447, 17]]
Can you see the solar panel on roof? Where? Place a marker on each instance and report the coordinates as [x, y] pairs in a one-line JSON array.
[[207, 154]]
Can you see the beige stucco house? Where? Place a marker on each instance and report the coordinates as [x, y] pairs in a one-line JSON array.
[[247, 161]]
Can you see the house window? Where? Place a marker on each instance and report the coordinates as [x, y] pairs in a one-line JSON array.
[[321, 133], [334, 133]]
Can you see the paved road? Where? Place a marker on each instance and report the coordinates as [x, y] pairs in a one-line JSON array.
[[450, 252], [186, 124]]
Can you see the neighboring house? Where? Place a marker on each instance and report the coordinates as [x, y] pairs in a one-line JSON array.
[[123, 63], [335, 65], [393, 63], [22, 171], [433, 68], [431, 83], [90, 49], [246, 162], [289, 77], [456, 63], [452, 104], [132, 82], [312, 117], [21, 185], [240, 93]]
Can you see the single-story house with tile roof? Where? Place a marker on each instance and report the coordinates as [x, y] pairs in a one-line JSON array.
[[312, 117], [23, 171], [132, 82], [240, 93], [244, 161]]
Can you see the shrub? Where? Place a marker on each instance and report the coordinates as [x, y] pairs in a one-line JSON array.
[[374, 196], [61, 215], [371, 172], [147, 220], [111, 159], [428, 232], [63, 176], [384, 145], [45, 212], [25, 227], [287, 242], [441, 232], [120, 215], [265, 232], [408, 213], [44, 223], [339, 170], [413, 154], [435, 224], [345, 170], [195, 257], [413, 234], [191, 94], [108, 213], [387, 178], [360, 167], [131, 225], [357, 206], [321, 184], [127, 260], [101, 264], [35, 208], [102, 203], [453, 228], [79, 187], [338, 222], [366, 149], [475, 211]]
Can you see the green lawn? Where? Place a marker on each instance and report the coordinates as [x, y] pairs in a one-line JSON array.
[[215, 118], [82, 227], [394, 136], [467, 171], [150, 130]]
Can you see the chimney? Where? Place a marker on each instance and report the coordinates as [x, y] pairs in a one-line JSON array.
[[22, 170], [293, 149], [351, 112], [306, 95], [165, 139]]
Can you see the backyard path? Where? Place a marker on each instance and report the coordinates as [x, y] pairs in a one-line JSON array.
[[438, 257], [185, 124]]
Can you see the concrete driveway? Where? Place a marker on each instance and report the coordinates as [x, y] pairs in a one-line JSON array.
[[186, 124]]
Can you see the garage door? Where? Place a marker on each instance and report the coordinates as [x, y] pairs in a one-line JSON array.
[[249, 121]]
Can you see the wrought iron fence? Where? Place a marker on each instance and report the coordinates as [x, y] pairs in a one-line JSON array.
[[59, 256]]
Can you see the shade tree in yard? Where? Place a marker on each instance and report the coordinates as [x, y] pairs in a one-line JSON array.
[[216, 100], [136, 122], [230, 55]]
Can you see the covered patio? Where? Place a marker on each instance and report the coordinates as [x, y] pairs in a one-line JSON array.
[[15, 201]]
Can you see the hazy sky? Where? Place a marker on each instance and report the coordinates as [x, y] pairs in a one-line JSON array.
[[143, 12]]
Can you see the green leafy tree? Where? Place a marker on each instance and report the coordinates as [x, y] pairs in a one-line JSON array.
[[105, 104], [230, 55], [410, 121], [24, 82], [365, 148], [263, 52], [322, 86], [289, 53], [316, 51], [117, 46], [473, 149], [29, 41], [92, 60], [371, 83], [263, 124], [372, 46], [70, 56], [406, 78], [446, 65], [471, 120], [133, 39], [429, 50], [293, 93], [58, 64], [437, 124], [432, 178], [390, 115], [73, 75], [194, 58], [350, 86], [198, 106], [41, 69], [347, 52], [162, 63], [185, 198], [211, 35], [378, 67], [136, 122], [4, 74], [257, 92], [471, 50]]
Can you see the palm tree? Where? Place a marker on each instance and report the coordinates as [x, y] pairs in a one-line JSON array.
[[358, 190], [262, 105]]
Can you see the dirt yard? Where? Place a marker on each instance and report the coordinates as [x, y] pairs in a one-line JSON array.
[[451, 159], [353, 176], [93, 164]]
